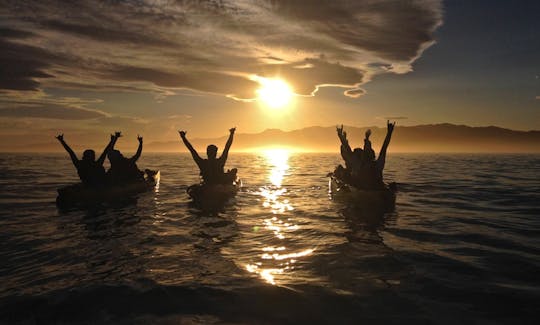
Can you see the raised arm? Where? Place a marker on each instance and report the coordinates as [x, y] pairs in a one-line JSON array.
[[109, 147], [345, 148], [382, 155], [194, 153], [139, 150], [72, 154], [367, 142], [225, 153]]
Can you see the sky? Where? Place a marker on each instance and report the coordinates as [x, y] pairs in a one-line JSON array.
[[150, 67]]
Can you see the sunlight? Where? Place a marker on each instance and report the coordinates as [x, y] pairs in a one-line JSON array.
[[279, 257], [274, 93], [266, 274], [278, 158], [277, 263]]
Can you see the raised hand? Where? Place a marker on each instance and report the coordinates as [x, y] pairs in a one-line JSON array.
[[231, 130], [368, 133], [339, 130], [60, 137], [117, 134], [390, 126], [139, 138], [182, 133], [342, 135]]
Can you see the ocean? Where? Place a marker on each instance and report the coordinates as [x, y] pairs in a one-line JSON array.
[[461, 247]]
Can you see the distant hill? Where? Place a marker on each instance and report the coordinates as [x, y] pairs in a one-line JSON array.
[[420, 138]]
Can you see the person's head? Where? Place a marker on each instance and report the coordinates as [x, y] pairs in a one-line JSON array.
[[114, 155], [357, 152], [89, 155], [211, 151]]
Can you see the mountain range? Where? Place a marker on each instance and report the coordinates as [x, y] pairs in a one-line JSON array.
[[421, 138]]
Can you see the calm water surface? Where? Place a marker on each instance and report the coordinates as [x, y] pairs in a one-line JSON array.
[[463, 245]]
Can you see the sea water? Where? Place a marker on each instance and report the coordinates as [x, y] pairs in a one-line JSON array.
[[462, 246]]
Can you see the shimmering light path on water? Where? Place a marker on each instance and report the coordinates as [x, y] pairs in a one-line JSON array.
[[462, 245]]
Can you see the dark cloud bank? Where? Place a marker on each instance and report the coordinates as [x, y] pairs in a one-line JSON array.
[[207, 46]]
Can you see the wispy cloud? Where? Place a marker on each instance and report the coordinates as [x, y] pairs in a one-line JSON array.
[[211, 46], [40, 105]]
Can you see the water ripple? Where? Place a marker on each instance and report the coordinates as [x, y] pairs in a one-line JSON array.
[[464, 225]]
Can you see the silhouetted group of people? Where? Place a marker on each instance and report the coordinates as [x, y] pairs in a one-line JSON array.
[[212, 169], [91, 171], [361, 169]]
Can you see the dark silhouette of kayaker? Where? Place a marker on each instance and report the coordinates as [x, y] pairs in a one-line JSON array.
[[91, 171], [352, 158], [368, 154], [370, 174], [381, 160], [124, 170], [212, 169], [364, 171]]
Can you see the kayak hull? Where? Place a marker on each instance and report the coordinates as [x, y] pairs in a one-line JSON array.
[[79, 195], [380, 199], [213, 194]]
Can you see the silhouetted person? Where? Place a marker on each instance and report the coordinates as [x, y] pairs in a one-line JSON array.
[[368, 153], [352, 158], [370, 175], [362, 170], [381, 161], [212, 169], [124, 170], [91, 171]]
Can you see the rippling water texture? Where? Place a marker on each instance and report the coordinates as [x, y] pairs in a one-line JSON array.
[[462, 246]]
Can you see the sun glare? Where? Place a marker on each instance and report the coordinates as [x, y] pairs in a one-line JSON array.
[[278, 159], [274, 93]]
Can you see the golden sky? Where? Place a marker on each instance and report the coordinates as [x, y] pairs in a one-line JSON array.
[[87, 68]]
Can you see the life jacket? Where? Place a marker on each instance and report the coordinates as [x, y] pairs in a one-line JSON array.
[[91, 173], [368, 176], [212, 171], [123, 170]]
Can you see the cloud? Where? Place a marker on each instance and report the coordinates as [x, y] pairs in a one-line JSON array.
[[6, 32], [116, 121], [21, 65], [40, 105], [306, 76], [392, 30], [102, 34], [211, 82], [52, 111], [354, 92], [211, 46]]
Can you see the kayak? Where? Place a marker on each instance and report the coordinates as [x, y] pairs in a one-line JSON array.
[[205, 194], [80, 195], [375, 199]]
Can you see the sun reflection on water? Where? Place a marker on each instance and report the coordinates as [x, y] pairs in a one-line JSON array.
[[276, 261], [278, 159]]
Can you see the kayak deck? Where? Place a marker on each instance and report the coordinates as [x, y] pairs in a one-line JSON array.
[[376, 199], [204, 194], [79, 195]]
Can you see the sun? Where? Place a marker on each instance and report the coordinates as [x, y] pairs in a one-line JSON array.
[[274, 93]]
